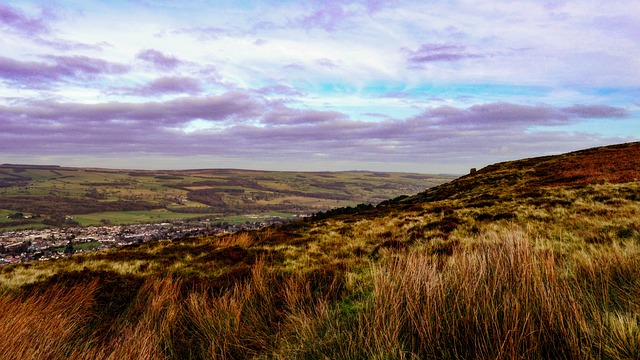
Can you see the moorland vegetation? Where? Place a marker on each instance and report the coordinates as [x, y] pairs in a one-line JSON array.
[[531, 259]]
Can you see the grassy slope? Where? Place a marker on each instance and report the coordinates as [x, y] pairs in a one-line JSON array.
[[538, 258], [121, 196]]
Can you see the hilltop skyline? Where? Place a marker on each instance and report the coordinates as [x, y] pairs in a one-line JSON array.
[[315, 85]]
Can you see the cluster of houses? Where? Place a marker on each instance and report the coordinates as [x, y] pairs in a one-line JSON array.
[[46, 244]]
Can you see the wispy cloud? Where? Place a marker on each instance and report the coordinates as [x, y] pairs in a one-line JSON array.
[[327, 17], [164, 85], [158, 59], [203, 33], [428, 53], [36, 73], [16, 20], [279, 89]]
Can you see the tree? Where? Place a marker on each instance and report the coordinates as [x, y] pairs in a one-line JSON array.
[[69, 250], [17, 215]]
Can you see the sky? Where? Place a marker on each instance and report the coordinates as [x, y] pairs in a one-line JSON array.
[[413, 86]]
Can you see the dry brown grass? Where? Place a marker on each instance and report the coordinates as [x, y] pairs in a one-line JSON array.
[[505, 297], [500, 301], [151, 327], [243, 239], [45, 325]]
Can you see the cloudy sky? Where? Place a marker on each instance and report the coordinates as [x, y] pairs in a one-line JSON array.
[[419, 86]]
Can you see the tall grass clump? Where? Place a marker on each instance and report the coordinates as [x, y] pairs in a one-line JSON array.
[[269, 315], [243, 239], [238, 323], [501, 300], [610, 281], [149, 328], [45, 325]]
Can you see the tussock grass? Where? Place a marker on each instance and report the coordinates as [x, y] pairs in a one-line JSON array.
[[45, 325], [502, 300], [504, 297], [243, 239], [156, 310]]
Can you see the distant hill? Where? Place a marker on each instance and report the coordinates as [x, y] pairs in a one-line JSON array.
[[91, 195], [530, 259]]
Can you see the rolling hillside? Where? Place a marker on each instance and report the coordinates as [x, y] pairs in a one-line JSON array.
[[537, 258], [93, 196]]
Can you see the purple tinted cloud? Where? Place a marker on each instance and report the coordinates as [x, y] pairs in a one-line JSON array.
[[159, 59], [374, 6], [252, 127], [595, 111], [149, 115], [286, 116], [85, 67], [18, 21], [38, 30], [28, 71], [498, 115], [331, 14], [167, 85], [60, 67], [66, 45], [327, 17], [440, 52]]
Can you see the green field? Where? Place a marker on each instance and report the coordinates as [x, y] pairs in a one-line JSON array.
[[130, 217], [4, 214], [68, 196]]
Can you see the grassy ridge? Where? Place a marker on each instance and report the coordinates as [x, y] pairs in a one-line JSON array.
[[501, 270]]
